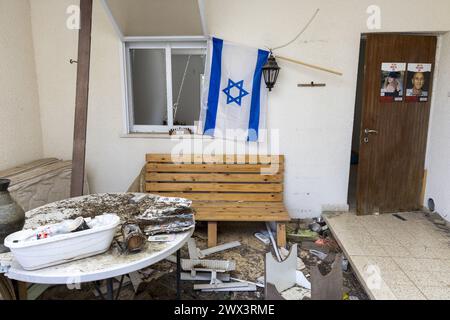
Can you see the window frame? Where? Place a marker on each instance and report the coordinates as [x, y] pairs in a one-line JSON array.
[[165, 43]]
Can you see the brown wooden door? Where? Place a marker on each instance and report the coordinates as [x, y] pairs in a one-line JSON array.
[[391, 165]]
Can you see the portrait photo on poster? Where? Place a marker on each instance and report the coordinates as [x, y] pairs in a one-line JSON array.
[[418, 82], [392, 86]]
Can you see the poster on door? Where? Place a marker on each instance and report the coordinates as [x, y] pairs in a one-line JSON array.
[[392, 75], [418, 82]]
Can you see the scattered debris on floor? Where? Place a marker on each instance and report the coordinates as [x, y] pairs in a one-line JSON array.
[[215, 268], [243, 249]]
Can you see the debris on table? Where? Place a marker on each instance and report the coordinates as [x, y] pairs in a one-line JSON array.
[[128, 206], [133, 237]]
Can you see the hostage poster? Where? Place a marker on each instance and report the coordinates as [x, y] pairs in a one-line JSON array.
[[418, 82], [392, 86]]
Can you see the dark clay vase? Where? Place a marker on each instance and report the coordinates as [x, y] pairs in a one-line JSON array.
[[12, 216]]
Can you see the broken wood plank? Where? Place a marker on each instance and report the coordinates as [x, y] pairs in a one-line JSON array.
[[249, 282], [203, 276], [192, 248], [222, 247], [220, 286], [208, 265], [247, 288]]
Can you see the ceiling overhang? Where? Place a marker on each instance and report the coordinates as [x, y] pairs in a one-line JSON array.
[[161, 18]]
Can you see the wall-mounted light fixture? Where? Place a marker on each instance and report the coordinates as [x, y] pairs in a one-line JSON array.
[[270, 72]]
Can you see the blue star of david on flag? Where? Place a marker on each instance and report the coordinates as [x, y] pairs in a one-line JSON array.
[[242, 92]]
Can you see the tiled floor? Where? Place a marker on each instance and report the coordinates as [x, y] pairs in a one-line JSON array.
[[396, 259]]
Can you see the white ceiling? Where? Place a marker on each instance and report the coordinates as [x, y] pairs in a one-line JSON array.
[[157, 17]]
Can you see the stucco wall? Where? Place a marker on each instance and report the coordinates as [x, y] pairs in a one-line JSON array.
[[54, 46], [438, 183], [315, 124], [20, 126]]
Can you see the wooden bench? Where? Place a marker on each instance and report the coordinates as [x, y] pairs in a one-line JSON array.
[[223, 188]]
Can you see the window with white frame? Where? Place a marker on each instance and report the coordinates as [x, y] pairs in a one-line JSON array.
[[164, 84]]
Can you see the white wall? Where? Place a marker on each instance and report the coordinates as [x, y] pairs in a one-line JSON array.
[[54, 46], [438, 182], [20, 127], [315, 124]]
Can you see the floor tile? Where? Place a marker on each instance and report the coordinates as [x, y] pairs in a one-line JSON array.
[[436, 293], [407, 292], [396, 259]]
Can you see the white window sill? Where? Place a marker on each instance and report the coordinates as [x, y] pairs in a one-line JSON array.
[[163, 136]]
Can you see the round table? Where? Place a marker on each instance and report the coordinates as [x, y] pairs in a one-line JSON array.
[[105, 266]]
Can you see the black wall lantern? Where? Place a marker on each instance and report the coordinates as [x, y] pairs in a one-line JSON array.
[[270, 72]]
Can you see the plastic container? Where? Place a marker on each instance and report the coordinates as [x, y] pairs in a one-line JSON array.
[[33, 254]]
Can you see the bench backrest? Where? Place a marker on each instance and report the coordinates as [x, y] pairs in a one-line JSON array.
[[216, 178]]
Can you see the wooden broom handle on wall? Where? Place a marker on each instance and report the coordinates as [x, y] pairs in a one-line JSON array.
[[310, 65]]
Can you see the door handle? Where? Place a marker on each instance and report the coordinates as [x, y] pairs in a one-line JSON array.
[[370, 131], [367, 133]]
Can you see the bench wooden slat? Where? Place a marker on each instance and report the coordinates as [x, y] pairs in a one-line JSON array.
[[211, 177], [215, 168], [229, 159], [214, 187], [230, 204], [224, 211], [241, 216], [212, 196]]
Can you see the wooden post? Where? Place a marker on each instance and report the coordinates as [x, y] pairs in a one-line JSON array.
[[212, 234], [281, 235], [81, 103]]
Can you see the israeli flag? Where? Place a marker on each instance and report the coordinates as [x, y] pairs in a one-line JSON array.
[[234, 101]]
